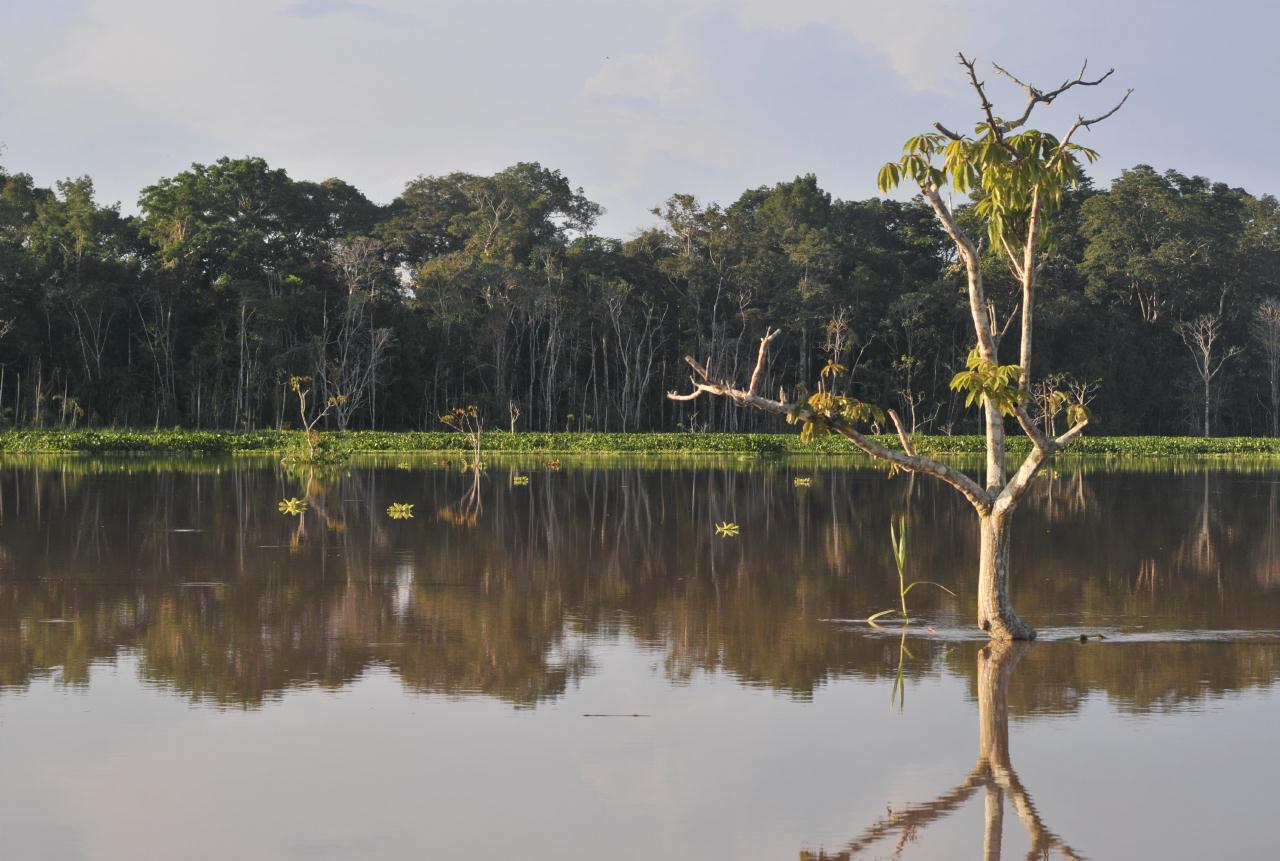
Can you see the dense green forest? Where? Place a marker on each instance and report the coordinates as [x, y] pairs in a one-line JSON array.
[[1161, 292]]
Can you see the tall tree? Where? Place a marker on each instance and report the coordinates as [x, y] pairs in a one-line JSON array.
[[1017, 177], [1265, 329], [1201, 337]]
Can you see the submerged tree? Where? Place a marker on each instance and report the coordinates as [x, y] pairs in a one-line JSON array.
[[1016, 177]]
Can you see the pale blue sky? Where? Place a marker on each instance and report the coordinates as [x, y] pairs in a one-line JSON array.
[[632, 99]]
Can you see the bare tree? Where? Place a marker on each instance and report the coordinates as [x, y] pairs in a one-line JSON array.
[[1017, 177], [635, 343], [160, 331], [1201, 336], [353, 349], [1051, 394], [1265, 329]]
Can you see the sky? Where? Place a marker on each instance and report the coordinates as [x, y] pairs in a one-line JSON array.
[[634, 100]]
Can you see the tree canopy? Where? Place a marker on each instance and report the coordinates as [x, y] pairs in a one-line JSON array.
[[234, 277]]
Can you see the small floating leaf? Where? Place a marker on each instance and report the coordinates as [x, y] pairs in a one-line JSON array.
[[520, 480], [727, 529], [400, 510], [802, 482], [292, 506]]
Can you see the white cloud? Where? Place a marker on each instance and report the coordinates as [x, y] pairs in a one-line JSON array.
[[919, 40], [632, 100]]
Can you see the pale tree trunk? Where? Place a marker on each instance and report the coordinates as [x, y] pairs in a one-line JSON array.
[[1201, 337], [1265, 329], [993, 823], [996, 499], [995, 608], [1206, 408]]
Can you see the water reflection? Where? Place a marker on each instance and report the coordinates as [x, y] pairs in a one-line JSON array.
[[191, 567], [994, 774]]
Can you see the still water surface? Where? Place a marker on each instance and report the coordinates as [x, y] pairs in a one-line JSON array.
[[580, 668]]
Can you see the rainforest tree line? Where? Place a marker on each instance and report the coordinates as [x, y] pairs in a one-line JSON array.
[[235, 278]]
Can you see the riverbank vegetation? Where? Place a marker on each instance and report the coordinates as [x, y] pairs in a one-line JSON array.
[[114, 441], [235, 278]]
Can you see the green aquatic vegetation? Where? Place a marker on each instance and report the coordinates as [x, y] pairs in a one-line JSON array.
[[898, 538], [802, 482], [292, 506], [759, 446], [520, 480], [727, 529], [400, 511]]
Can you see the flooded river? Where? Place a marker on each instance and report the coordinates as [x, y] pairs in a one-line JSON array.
[[569, 662]]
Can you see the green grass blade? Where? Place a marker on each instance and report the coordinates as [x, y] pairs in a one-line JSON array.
[[930, 583]]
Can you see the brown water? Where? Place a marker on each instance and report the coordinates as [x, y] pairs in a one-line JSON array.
[[580, 668]]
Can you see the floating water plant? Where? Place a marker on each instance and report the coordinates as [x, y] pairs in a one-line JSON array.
[[400, 510], [727, 529], [520, 480], [292, 506], [802, 482], [898, 537]]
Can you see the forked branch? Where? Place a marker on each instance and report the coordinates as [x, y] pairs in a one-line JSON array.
[[1036, 96], [1082, 123], [704, 384]]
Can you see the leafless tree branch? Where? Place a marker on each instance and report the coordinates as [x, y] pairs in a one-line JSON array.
[[703, 383], [902, 433], [1035, 96]]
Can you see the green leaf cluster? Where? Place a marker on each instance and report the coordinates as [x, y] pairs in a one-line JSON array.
[[1003, 173], [827, 409], [985, 381], [1076, 412]]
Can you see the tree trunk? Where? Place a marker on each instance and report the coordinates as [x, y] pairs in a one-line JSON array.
[[1275, 411], [995, 610], [1275, 404], [993, 823], [1206, 409]]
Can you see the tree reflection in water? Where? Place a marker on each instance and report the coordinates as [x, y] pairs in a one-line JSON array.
[[189, 567], [993, 773]]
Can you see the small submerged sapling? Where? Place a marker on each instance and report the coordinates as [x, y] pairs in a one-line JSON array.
[[898, 537], [467, 421]]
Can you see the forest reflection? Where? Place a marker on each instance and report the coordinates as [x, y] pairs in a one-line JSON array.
[[191, 567]]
